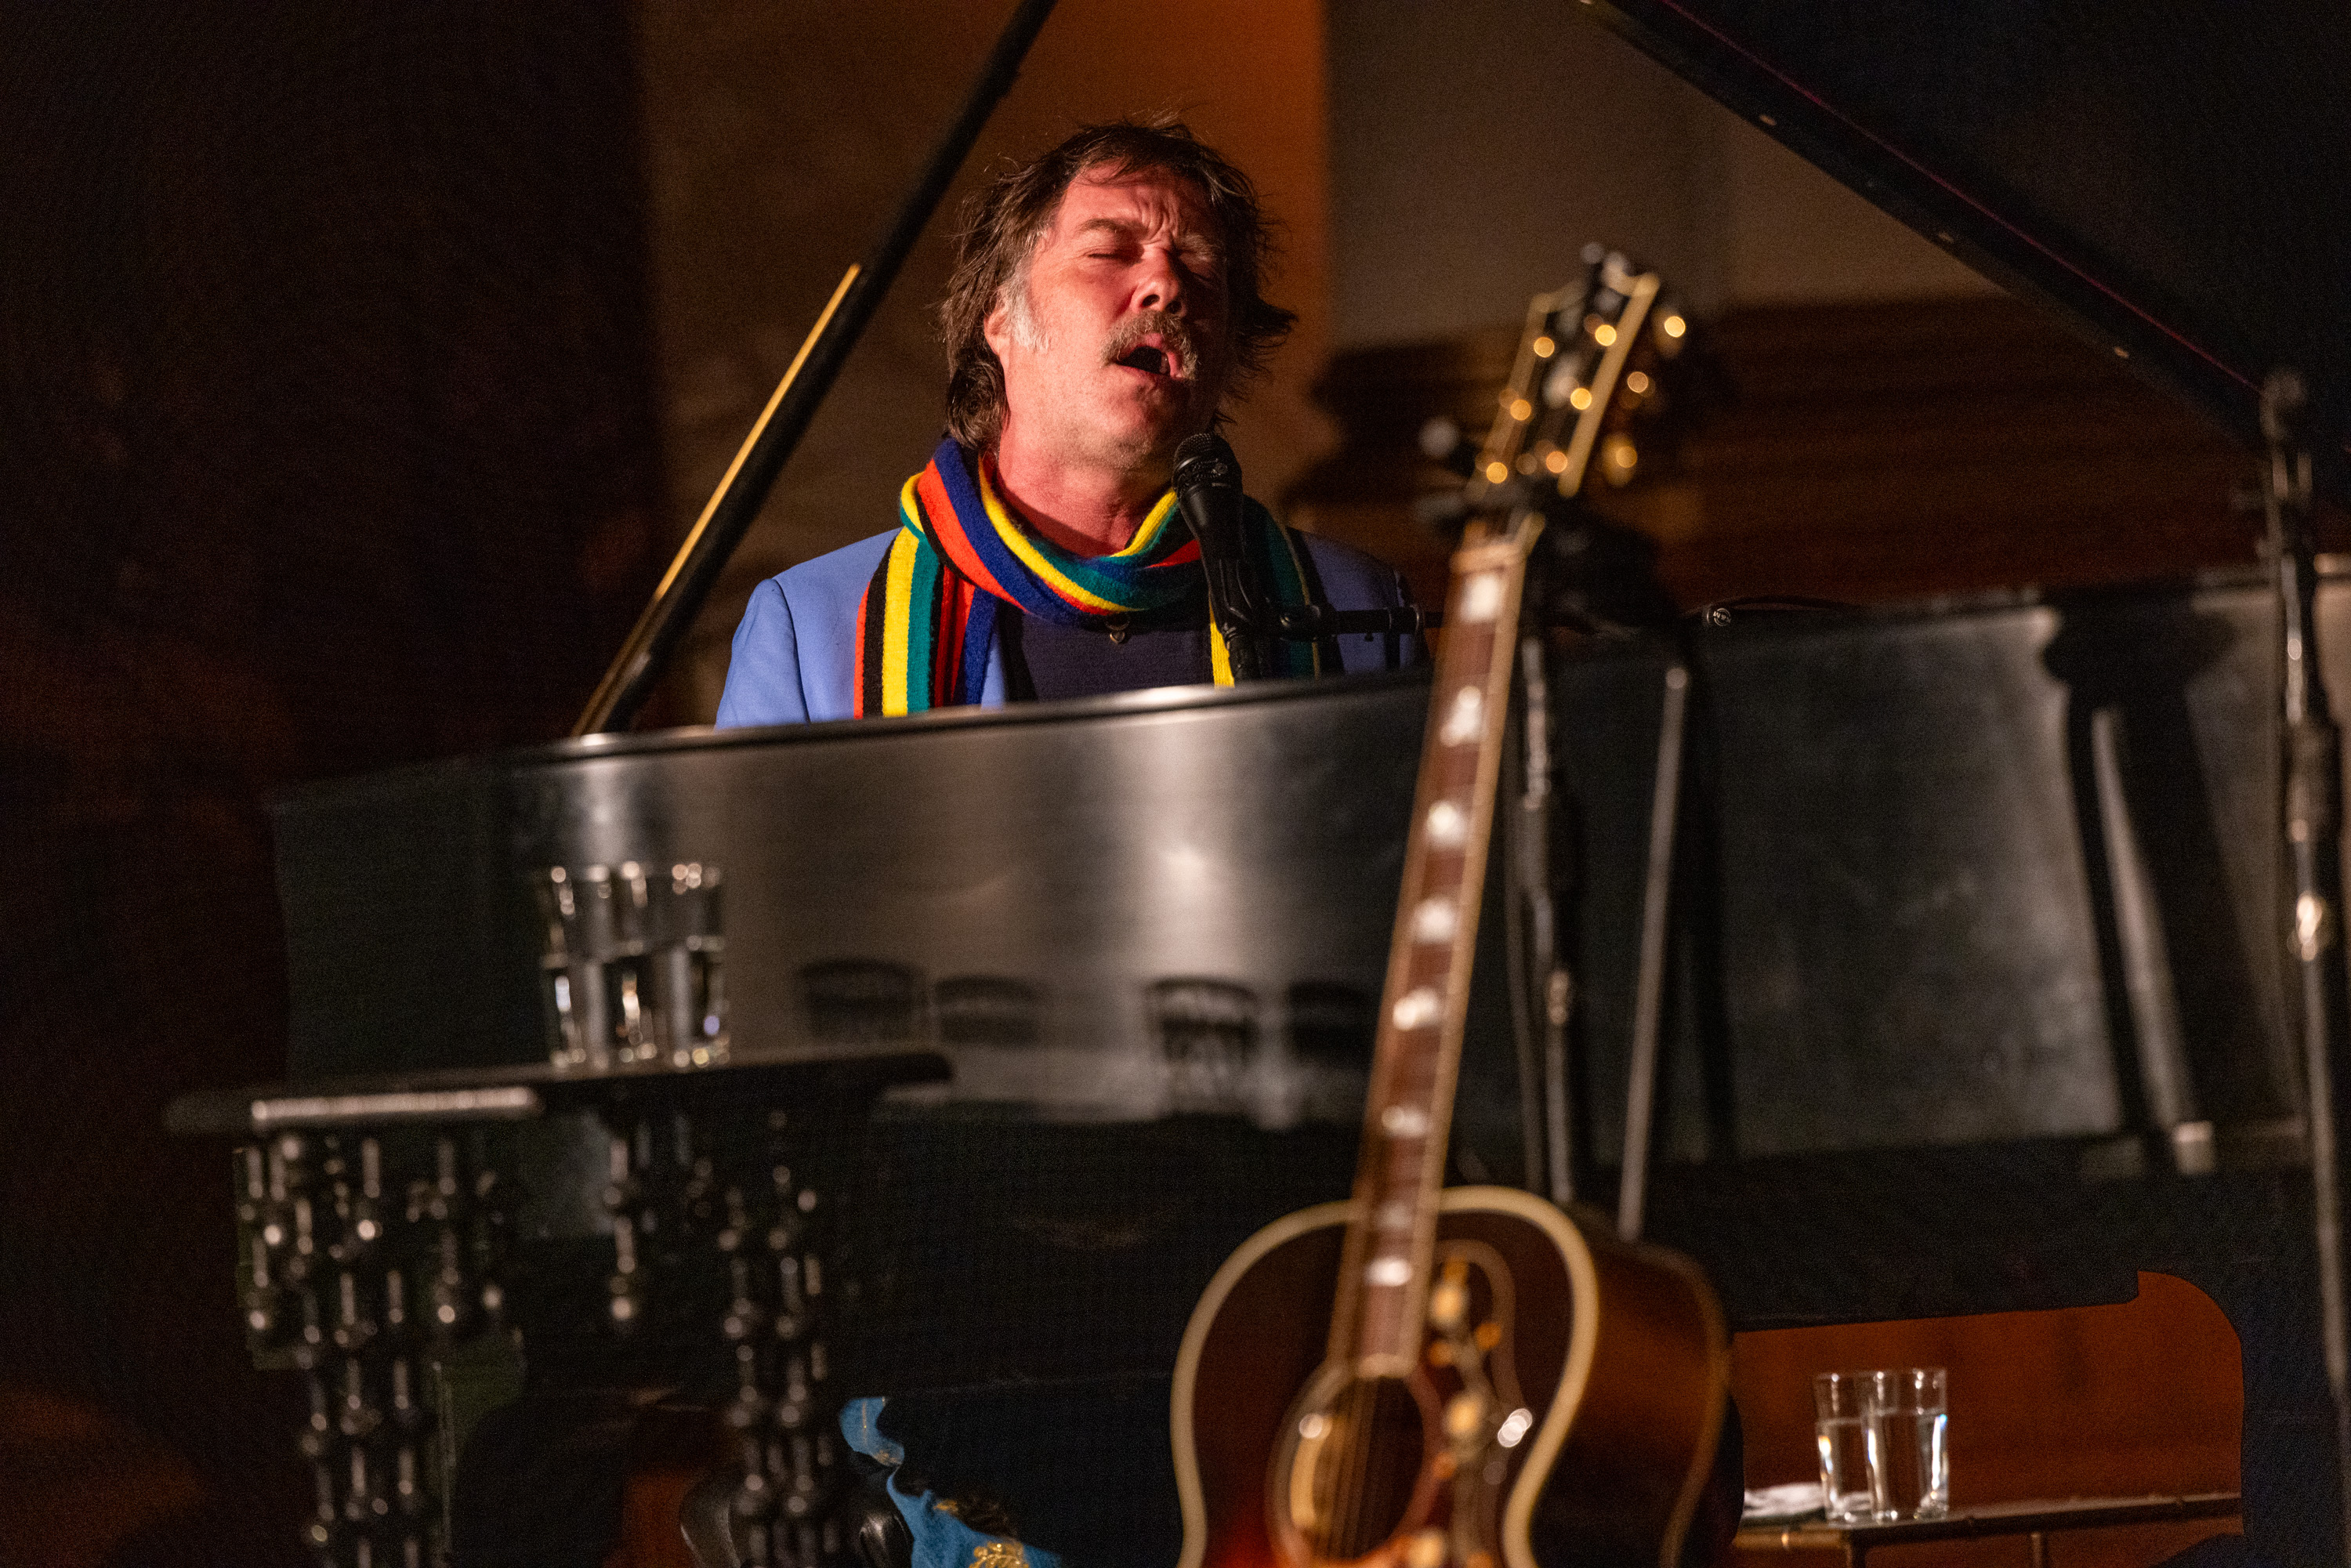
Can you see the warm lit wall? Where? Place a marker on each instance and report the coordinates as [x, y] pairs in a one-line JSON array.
[[1478, 147], [780, 140]]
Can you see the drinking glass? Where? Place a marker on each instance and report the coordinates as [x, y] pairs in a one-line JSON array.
[[1905, 1425], [1837, 1427]]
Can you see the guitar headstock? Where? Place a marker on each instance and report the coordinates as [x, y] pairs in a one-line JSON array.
[[1589, 369]]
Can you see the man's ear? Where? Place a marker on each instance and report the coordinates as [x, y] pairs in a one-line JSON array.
[[996, 329]]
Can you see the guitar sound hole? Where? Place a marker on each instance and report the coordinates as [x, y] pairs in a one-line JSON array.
[[1357, 1462]]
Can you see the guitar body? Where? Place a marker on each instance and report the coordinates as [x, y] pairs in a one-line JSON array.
[[1564, 1409]]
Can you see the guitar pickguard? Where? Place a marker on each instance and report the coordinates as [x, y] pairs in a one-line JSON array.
[[1485, 1421], [1342, 1489]]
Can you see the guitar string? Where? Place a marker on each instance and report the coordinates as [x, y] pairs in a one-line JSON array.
[[1354, 1472]]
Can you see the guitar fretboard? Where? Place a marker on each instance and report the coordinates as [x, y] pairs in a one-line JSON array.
[[1410, 1107], [1570, 365]]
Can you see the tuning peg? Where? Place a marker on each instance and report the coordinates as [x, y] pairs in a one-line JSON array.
[[1442, 442], [1672, 328], [1565, 380], [1618, 458]]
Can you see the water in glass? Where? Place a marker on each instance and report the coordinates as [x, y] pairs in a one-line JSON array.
[[1838, 1428], [1844, 1466], [1904, 1429]]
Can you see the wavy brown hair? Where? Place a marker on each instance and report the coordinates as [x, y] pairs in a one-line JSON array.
[[1003, 220]]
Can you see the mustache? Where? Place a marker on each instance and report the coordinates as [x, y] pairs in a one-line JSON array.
[[1182, 343]]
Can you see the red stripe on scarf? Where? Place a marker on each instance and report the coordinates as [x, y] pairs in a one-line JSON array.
[[857, 673], [947, 643], [947, 532]]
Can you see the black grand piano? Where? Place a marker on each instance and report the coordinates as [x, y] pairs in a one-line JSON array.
[[1976, 998]]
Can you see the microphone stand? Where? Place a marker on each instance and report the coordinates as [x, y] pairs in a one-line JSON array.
[[2312, 823], [1208, 492]]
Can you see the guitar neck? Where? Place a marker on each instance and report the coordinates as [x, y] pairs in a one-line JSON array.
[[1384, 1279], [1575, 371]]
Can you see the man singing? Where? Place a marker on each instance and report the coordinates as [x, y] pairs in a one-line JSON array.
[[1104, 306]]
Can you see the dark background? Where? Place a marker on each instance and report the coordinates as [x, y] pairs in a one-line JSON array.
[[327, 444]]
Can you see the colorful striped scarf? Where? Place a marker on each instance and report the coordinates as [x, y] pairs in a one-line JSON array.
[[928, 617]]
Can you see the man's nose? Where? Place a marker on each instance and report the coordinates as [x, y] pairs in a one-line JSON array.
[[1162, 285]]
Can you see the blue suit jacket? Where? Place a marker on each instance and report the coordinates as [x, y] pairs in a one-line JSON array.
[[796, 650]]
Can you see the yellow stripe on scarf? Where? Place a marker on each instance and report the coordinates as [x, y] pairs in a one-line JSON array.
[[898, 630], [1147, 535], [1017, 537], [910, 508]]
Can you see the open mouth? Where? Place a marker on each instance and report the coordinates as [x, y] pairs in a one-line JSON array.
[[1148, 357]]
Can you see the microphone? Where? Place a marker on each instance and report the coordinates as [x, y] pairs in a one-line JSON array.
[[1208, 493]]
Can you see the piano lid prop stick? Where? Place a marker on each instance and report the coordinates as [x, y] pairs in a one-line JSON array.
[[695, 570]]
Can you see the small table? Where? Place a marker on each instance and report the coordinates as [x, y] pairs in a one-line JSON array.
[[2036, 1521]]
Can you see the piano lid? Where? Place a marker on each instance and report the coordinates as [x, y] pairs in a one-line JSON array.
[[2173, 176]]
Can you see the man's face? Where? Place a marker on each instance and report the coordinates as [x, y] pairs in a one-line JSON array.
[[1121, 351]]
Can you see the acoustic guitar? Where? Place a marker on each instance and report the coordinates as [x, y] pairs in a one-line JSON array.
[[1465, 1378]]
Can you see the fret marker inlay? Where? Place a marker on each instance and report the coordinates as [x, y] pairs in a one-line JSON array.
[[1481, 597], [1389, 1271], [1418, 1007], [1448, 826], [1465, 720], [1434, 920], [1404, 1121]]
